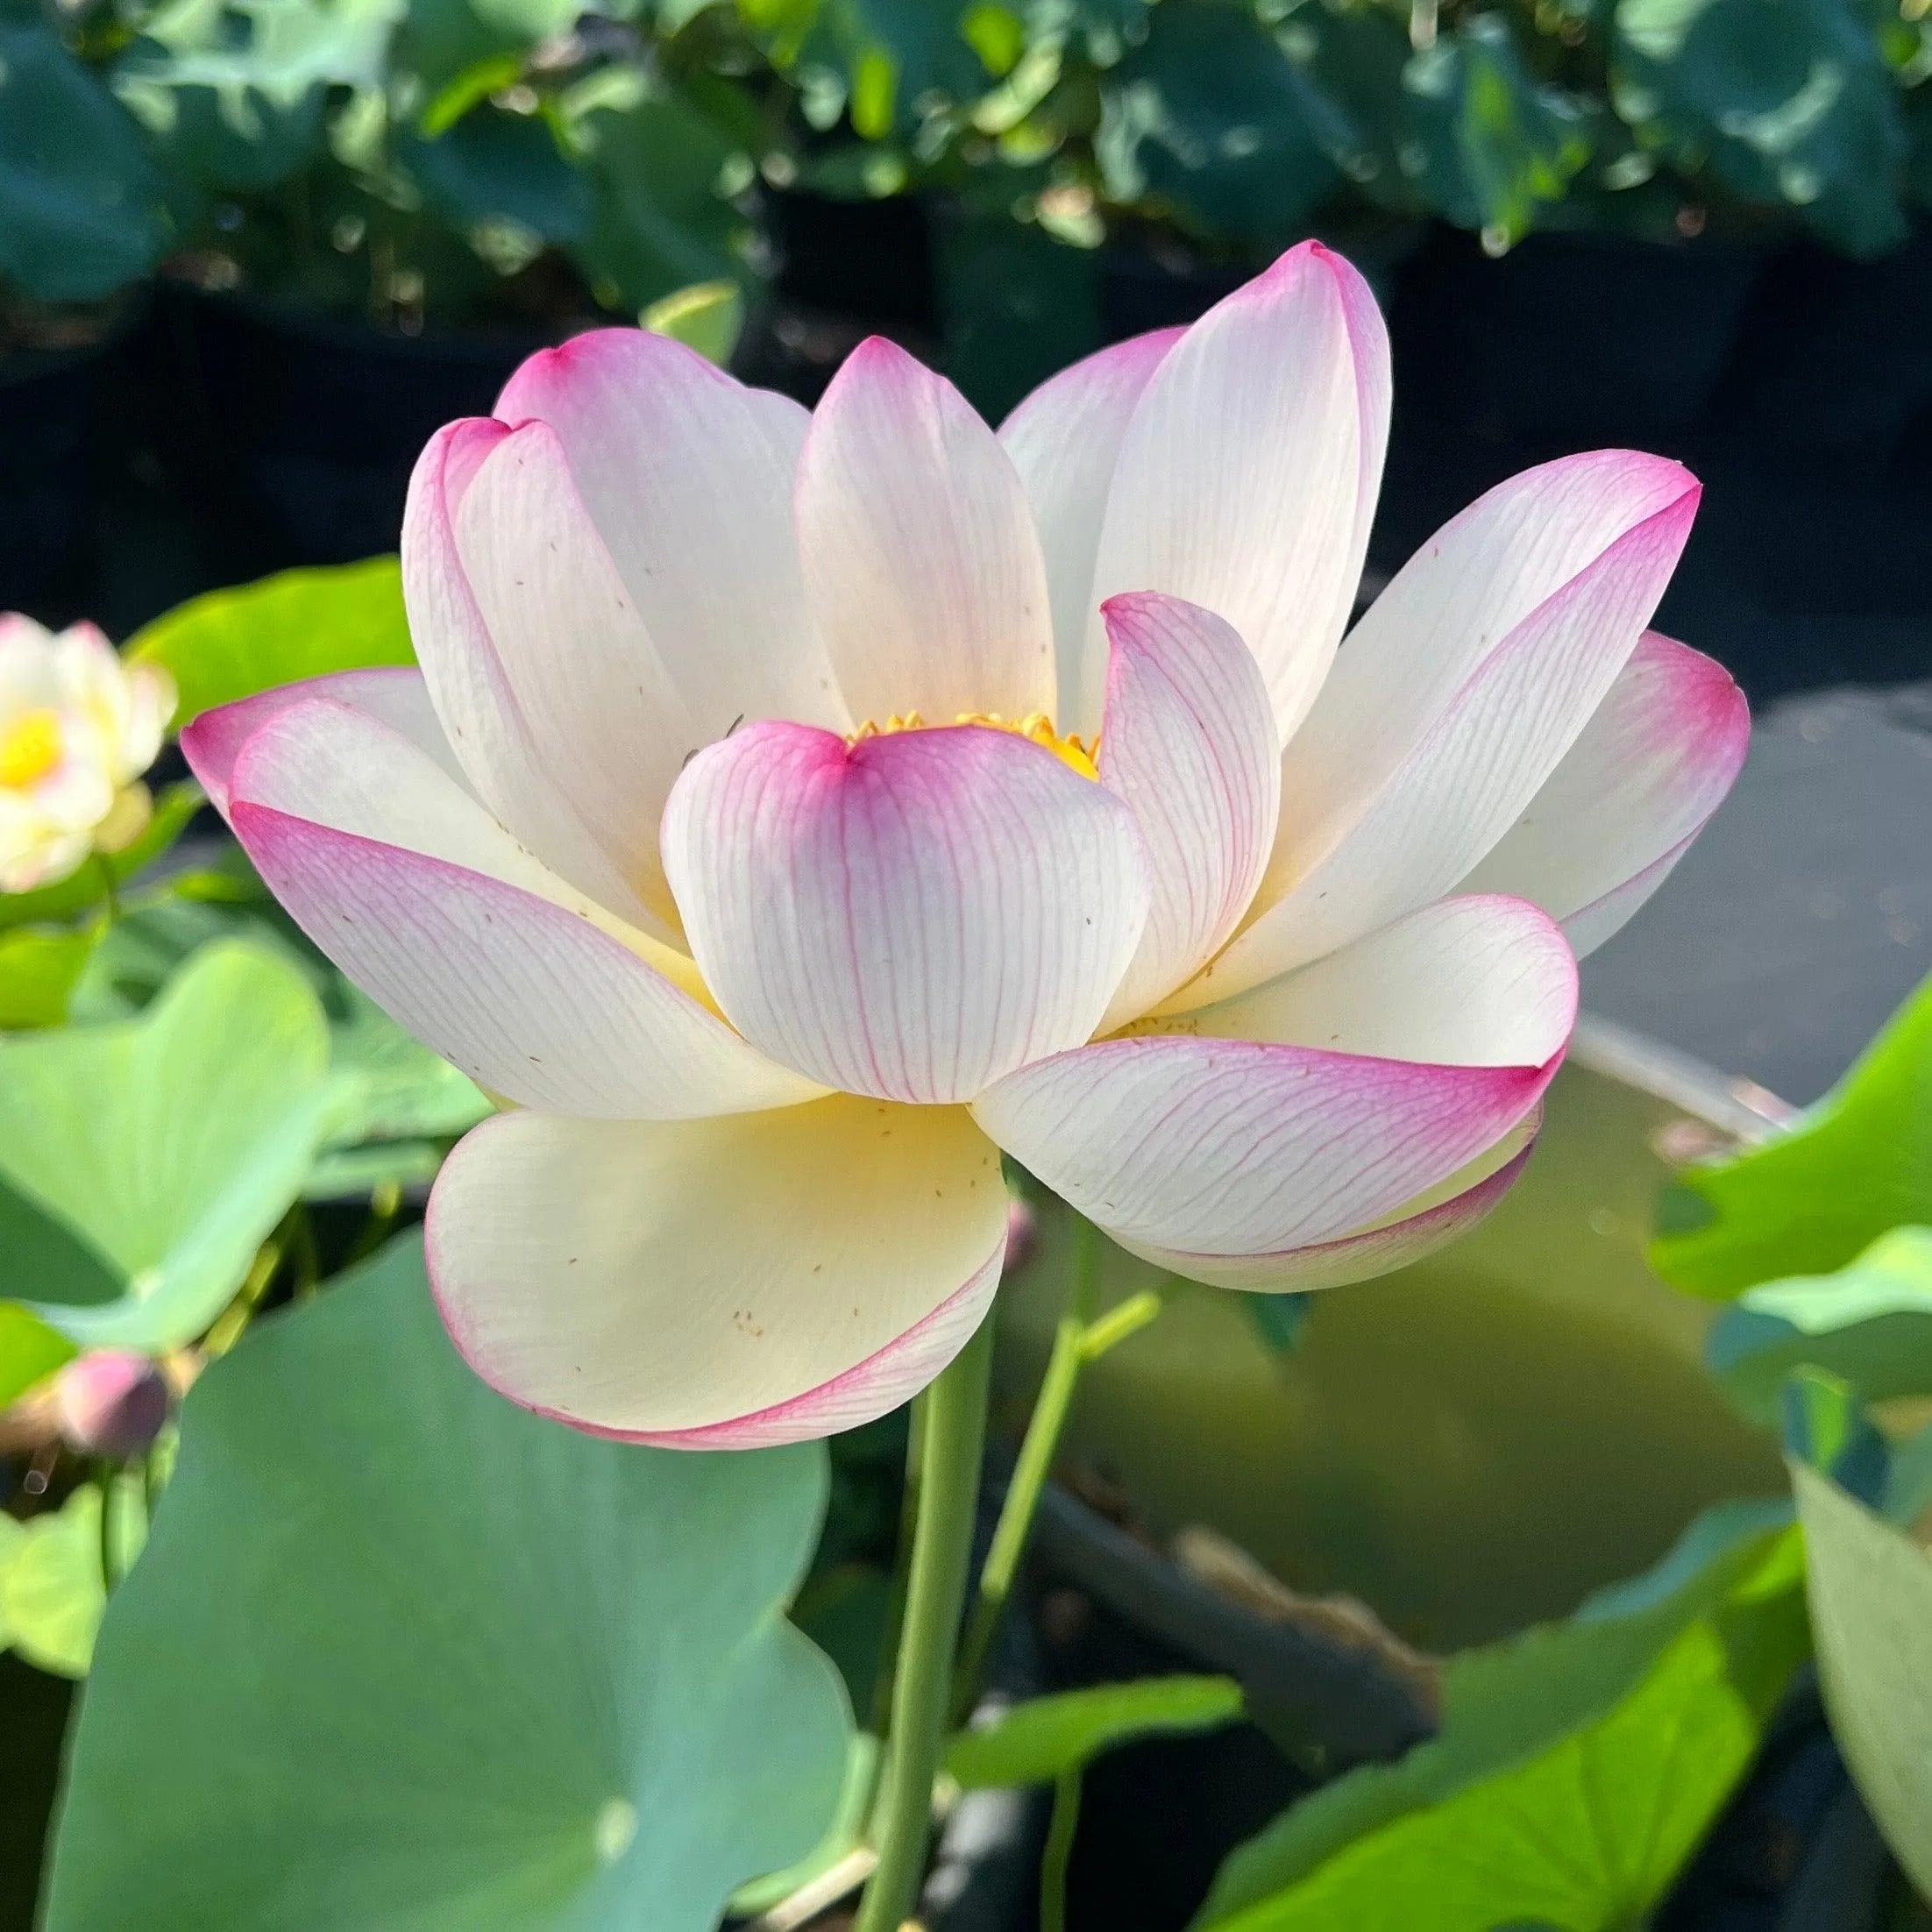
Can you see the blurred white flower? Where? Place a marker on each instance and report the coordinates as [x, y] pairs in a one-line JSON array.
[[77, 729]]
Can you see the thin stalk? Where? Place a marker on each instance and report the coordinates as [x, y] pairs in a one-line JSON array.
[[1037, 1449], [1118, 1324], [948, 1490], [229, 1325], [385, 1205], [1079, 1340], [304, 1254], [883, 1677], [110, 889], [1057, 1855], [103, 1475]]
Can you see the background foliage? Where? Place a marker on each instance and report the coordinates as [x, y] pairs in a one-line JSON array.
[[438, 160]]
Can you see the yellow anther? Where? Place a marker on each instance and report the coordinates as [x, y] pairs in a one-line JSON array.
[[30, 748], [1075, 753]]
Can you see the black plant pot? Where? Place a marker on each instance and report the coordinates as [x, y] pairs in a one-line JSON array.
[[294, 433], [1575, 338], [49, 401], [1837, 360]]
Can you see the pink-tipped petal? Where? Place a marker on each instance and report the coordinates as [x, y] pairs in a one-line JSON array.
[[394, 694], [720, 1283], [1650, 767], [1063, 439], [912, 916], [603, 713], [1189, 744], [1466, 781], [466, 941], [1313, 1107], [1247, 477], [688, 478], [1448, 609], [1231, 1147], [470, 688], [1445, 1213], [921, 563]]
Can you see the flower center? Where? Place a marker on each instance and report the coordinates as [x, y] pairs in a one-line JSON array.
[[1075, 753], [30, 748]]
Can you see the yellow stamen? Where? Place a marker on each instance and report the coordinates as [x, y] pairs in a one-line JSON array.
[[30, 748], [1077, 754]]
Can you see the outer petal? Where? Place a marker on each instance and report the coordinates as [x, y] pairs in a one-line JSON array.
[[1449, 608], [603, 714], [1232, 1148], [910, 916], [1631, 793], [1247, 477], [1215, 1142], [718, 1284], [1190, 745], [1467, 779], [1474, 981], [1432, 1220], [922, 562], [466, 941], [470, 688], [1063, 440], [688, 477], [394, 695]]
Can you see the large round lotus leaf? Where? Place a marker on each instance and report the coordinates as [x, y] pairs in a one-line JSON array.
[[142, 1161], [1871, 1589], [52, 1589], [399, 1655]]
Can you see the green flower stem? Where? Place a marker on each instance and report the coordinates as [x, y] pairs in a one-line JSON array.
[[1057, 1854], [103, 1475], [1078, 1340], [884, 1676], [111, 887], [948, 1490]]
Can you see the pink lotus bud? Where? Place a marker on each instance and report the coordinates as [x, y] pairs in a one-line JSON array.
[[111, 1403], [1022, 1235]]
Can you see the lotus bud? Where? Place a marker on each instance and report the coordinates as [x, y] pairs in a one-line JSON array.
[[111, 1403], [1022, 1235]]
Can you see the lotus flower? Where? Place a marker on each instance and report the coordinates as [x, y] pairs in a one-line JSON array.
[[793, 813], [77, 729]]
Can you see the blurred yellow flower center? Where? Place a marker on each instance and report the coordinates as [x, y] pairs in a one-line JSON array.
[[1075, 753], [30, 748]]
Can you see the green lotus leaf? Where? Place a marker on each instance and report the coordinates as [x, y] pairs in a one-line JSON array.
[[145, 1161], [300, 623], [401, 1655], [39, 968], [1871, 1590], [1869, 1324], [1577, 1767], [29, 1351], [1854, 1166], [1037, 1741], [52, 1589]]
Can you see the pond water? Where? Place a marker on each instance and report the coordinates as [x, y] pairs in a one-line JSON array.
[[1469, 1446]]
